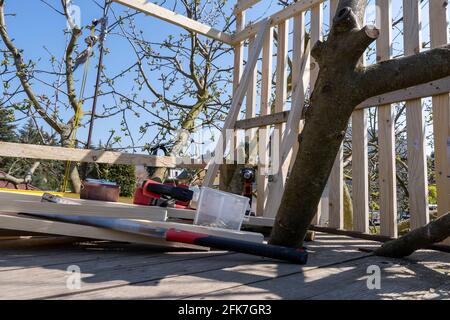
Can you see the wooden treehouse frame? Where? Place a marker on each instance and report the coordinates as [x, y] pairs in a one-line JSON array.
[[260, 37]]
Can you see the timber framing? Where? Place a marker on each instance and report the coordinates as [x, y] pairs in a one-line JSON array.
[[276, 18], [30, 151], [437, 87], [159, 12], [243, 5]]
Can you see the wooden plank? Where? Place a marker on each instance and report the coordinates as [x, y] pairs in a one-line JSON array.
[[281, 72], [159, 12], [336, 195], [235, 107], [263, 133], [109, 273], [316, 35], [360, 171], [386, 126], [14, 222], [415, 122], [441, 112], [347, 280], [263, 120], [244, 5], [277, 18], [30, 151], [238, 66], [250, 108], [32, 204], [290, 137]]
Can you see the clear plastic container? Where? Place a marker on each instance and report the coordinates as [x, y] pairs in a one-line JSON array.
[[220, 209]]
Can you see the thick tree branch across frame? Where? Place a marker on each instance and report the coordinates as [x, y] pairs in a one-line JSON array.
[[406, 72]]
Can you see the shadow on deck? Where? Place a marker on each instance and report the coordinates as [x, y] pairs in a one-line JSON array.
[[337, 269]]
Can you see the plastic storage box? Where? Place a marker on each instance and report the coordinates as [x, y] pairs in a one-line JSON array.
[[220, 209]]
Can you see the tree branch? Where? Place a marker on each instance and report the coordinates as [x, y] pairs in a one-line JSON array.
[[406, 72], [21, 73]]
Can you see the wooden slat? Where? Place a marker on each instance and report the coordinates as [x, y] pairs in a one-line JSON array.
[[281, 72], [235, 107], [244, 5], [263, 120], [415, 122], [277, 18], [156, 11], [441, 112], [316, 35], [30, 151], [386, 141], [360, 172], [250, 109], [31, 204], [13, 222], [276, 186], [266, 93]]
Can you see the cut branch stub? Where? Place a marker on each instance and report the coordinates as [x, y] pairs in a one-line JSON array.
[[345, 20]]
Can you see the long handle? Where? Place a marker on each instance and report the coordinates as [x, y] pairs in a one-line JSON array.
[[295, 255]]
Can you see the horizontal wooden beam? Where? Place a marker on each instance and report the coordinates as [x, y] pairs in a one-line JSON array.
[[276, 18], [31, 151], [159, 12], [23, 223], [262, 121], [31, 204], [244, 5]]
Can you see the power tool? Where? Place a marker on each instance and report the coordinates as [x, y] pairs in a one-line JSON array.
[[248, 176], [154, 193]]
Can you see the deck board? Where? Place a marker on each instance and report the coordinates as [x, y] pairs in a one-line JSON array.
[[336, 270]]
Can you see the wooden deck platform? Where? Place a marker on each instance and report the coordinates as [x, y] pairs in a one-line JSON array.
[[337, 269]]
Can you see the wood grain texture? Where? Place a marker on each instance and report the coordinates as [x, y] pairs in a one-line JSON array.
[[277, 18], [415, 122], [360, 172], [250, 109], [263, 132], [30, 151], [159, 12], [14, 222], [242, 5], [386, 140]]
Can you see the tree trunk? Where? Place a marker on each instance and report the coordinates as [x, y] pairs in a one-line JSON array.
[[420, 238], [342, 84]]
